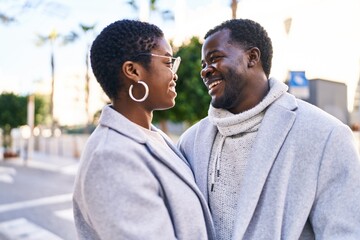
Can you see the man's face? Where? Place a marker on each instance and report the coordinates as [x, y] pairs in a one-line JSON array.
[[225, 71]]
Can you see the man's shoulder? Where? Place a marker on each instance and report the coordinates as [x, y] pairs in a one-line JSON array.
[[201, 124], [197, 130], [307, 112], [315, 115]]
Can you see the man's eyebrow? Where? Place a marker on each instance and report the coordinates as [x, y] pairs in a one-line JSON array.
[[211, 52]]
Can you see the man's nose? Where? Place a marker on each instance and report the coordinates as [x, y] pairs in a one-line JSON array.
[[206, 71]]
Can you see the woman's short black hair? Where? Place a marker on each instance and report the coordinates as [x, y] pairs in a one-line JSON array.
[[249, 33], [121, 41]]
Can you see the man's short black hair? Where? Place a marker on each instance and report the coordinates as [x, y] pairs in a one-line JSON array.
[[249, 33], [121, 41]]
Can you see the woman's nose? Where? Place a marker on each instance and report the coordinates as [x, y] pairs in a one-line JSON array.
[[175, 77]]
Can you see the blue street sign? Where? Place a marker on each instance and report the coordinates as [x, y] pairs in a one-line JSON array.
[[299, 84]]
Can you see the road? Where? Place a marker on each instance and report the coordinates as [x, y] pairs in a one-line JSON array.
[[35, 202]]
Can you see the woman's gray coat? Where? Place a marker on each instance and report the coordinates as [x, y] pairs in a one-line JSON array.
[[302, 180], [128, 188]]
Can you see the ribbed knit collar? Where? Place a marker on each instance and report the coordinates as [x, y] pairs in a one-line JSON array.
[[230, 124]]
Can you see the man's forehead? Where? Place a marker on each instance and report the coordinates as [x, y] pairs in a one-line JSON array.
[[216, 42]]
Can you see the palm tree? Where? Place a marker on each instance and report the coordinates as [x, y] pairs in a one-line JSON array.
[[42, 40], [166, 14], [6, 19], [233, 5], [72, 37]]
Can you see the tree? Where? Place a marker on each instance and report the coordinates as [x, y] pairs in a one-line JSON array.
[[233, 6], [72, 37], [13, 114], [193, 99], [165, 14], [6, 19], [13, 110], [12, 11], [41, 109], [42, 40]]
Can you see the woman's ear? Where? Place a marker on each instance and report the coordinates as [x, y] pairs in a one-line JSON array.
[[131, 70], [254, 56]]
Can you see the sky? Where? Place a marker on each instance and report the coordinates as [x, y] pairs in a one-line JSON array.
[[323, 41]]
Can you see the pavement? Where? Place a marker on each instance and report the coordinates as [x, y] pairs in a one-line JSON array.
[[39, 160]]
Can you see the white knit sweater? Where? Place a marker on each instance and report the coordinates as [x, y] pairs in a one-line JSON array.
[[228, 159]]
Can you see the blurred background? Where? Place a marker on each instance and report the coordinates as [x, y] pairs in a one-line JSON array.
[[45, 44], [50, 101]]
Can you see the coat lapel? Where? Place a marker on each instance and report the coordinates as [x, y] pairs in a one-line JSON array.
[[114, 120], [119, 123], [277, 122], [171, 145], [182, 169], [202, 155]]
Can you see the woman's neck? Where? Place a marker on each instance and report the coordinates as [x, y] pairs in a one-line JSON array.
[[134, 112]]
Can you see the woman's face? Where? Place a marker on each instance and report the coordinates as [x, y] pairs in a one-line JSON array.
[[160, 78]]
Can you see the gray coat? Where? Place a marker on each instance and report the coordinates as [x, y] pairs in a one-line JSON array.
[[127, 188], [302, 179]]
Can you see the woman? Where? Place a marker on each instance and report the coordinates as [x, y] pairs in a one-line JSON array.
[[132, 182]]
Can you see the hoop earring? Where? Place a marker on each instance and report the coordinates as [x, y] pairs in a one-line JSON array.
[[146, 92]]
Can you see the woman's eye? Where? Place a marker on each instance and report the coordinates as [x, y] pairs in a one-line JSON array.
[[169, 62]]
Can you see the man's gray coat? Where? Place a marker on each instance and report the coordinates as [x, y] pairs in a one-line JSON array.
[[302, 180]]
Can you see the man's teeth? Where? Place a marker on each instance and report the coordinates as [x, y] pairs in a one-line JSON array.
[[214, 84]]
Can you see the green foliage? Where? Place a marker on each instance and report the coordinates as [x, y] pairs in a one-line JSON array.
[[13, 114], [42, 105], [13, 109], [193, 100]]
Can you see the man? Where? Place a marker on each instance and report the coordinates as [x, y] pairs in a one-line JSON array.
[[271, 166]]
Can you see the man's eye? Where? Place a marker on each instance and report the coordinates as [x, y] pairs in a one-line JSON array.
[[214, 58]]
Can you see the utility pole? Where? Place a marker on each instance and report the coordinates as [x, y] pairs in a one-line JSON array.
[[29, 138]]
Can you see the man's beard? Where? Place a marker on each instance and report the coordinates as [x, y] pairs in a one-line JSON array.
[[231, 91]]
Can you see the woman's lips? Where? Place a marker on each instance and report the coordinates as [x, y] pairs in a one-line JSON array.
[[172, 87]]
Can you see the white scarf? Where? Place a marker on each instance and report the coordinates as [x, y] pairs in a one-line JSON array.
[[230, 124]]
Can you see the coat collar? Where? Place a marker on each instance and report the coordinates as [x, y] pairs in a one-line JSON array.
[[116, 121], [112, 119]]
